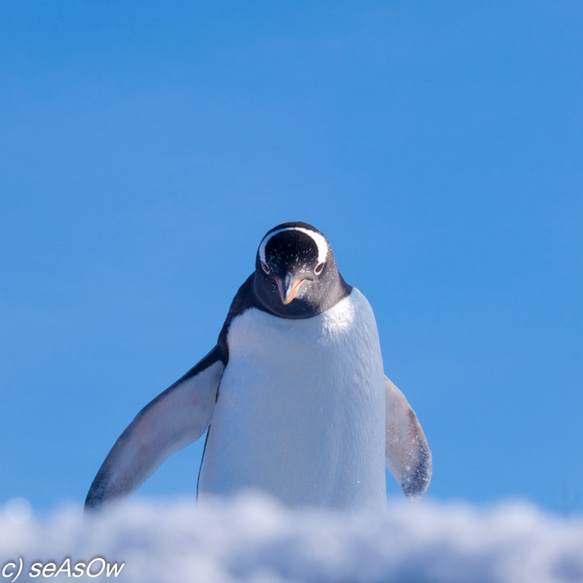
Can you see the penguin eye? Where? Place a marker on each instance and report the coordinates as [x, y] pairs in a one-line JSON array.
[[319, 268], [265, 267]]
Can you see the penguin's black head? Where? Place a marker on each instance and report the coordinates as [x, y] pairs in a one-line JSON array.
[[295, 272]]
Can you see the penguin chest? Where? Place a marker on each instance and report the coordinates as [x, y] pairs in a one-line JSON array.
[[300, 412]]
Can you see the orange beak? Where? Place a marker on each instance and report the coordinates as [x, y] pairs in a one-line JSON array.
[[288, 288]]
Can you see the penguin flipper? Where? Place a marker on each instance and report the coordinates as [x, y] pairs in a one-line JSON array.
[[175, 418], [407, 454]]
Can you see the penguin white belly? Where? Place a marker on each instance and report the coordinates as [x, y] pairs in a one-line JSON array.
[[301, 409]]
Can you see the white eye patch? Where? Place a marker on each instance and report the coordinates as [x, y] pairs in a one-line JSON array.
[[319, 240]]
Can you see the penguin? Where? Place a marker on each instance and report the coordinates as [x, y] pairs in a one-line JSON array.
[[293, 395]]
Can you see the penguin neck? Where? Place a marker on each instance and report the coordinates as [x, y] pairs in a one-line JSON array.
[[247, 298], [331, 291]]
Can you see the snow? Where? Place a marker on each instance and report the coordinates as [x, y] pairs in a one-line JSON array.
[[253, 539]]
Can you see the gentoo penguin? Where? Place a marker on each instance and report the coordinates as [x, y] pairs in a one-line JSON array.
[[293, 395]]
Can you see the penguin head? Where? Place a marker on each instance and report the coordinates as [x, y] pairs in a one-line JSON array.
[[295, 272]]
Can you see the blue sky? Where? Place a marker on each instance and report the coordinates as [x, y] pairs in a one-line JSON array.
[[147, 147]]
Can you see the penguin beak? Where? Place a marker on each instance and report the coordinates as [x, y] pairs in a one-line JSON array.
[[288, 288]]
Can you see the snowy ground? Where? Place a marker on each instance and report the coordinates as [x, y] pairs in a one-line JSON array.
[[253, 539]]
